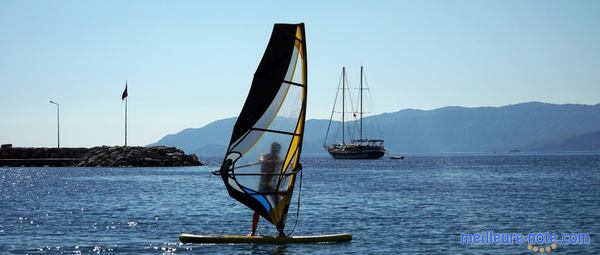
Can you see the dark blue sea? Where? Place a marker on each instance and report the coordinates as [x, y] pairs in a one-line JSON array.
[[419, 205]]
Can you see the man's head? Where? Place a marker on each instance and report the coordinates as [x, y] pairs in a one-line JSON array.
[[275, 148]]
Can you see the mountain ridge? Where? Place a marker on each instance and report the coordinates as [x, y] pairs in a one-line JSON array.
[[445, 129]]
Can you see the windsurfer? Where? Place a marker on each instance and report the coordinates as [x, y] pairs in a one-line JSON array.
[[270, 163]]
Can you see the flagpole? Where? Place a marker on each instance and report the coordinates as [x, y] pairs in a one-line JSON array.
[[125, 122], [124, 97]]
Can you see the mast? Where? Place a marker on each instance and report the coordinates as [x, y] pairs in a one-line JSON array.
[[361, 103], [343, 103]]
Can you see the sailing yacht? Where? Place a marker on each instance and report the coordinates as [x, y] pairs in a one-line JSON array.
[[361, 148]]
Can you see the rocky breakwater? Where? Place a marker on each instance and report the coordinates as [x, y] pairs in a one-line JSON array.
[[110, 156], [21, 157], [9, 152]]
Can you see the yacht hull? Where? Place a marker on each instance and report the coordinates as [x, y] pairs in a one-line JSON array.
[[361, 153]]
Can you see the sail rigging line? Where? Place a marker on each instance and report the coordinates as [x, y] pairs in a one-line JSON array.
[[297, 206], [375, 121], [337, 92], [350, 131]]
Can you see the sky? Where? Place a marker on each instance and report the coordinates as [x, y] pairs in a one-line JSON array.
[[188, 63]]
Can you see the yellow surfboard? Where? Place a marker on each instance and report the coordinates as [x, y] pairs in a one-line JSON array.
[[333, 238]]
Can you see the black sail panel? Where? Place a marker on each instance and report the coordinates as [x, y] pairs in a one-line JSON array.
[[262, 160], [267, 78]]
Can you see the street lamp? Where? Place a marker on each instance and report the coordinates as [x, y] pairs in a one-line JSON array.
[[57, 121]]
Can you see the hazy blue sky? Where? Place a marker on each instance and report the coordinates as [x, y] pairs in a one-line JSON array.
[[191, 62]]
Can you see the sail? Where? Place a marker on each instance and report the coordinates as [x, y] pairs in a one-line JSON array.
[[262, 160]]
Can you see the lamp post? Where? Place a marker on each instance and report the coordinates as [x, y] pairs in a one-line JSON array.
[[57, 121]]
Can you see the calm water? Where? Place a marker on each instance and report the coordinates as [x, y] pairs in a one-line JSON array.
[[417, 205]]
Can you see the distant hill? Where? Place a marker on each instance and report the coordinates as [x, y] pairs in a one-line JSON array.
[[583, 142], [525, 126], [191, 139]]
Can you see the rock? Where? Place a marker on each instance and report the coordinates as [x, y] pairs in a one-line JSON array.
[[137, 157]]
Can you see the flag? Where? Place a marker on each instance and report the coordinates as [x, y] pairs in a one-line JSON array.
[[124, 92]]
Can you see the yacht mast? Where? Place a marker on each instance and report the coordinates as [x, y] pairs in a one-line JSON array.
[[343, 102], [361, 103]]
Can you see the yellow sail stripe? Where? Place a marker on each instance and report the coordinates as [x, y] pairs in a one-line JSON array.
[[293, 151]]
